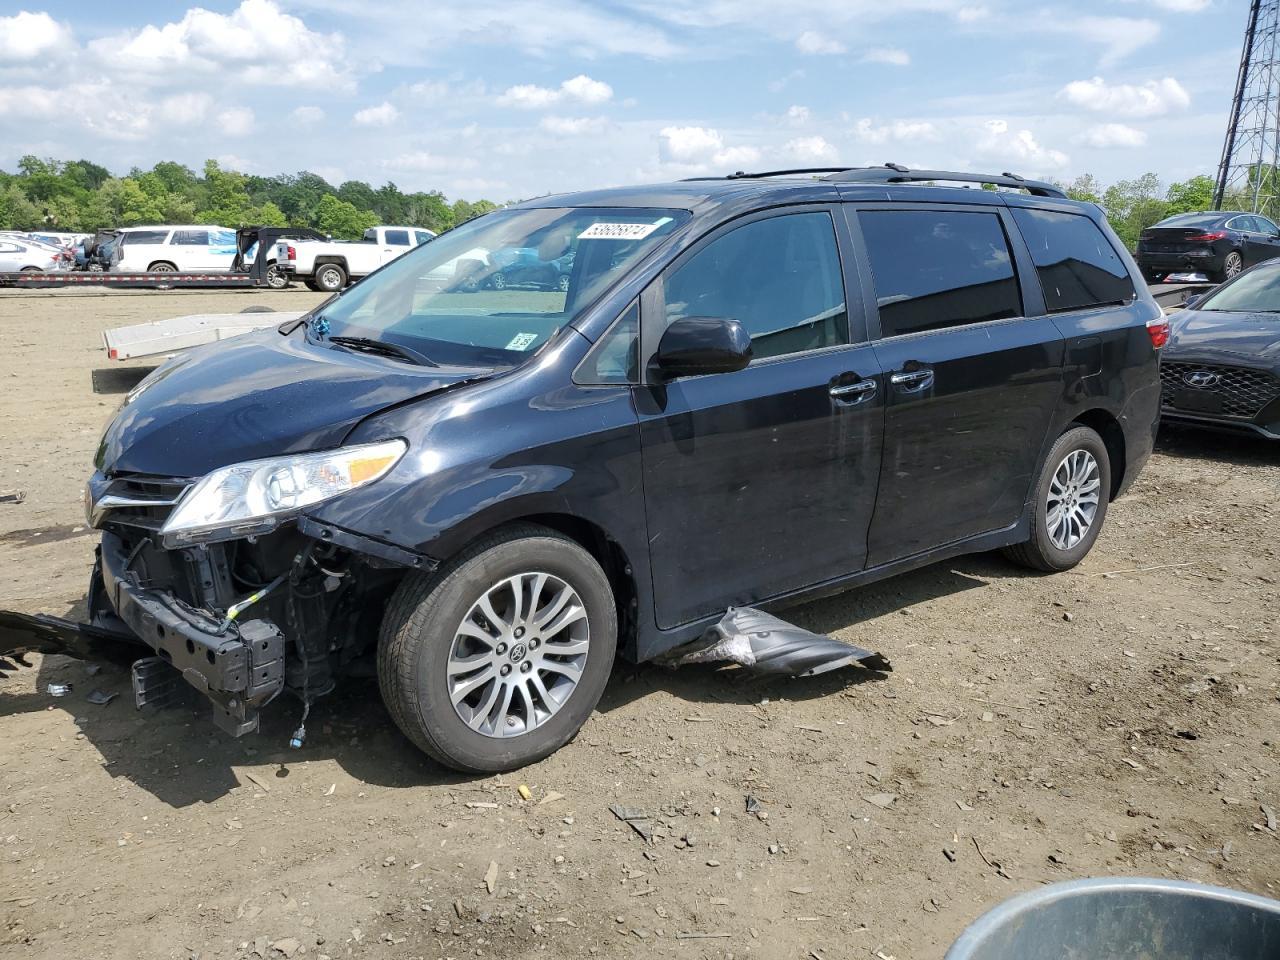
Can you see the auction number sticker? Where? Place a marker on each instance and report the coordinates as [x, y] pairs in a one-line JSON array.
[[522, 341], [617, 231]]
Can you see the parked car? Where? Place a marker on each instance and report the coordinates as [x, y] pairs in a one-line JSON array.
[[29, 256], [757, 389], [524, 267], [330, 265], [169, 249], [1218, 244], [1221, 368]]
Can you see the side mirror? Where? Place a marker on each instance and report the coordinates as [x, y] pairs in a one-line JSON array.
[[1192, 300], [692, 346]]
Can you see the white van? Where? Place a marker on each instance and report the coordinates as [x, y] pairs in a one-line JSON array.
[[183, 248]]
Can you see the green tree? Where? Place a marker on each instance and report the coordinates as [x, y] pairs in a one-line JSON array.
[[1190, 196], [341, 219], [1134, 205], [1085, 187]]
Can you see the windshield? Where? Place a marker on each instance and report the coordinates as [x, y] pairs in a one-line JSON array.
[[494, 290], [1257, 291]]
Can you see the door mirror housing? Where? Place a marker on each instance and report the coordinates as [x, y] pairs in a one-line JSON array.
[[692, 346], [1192, 300]]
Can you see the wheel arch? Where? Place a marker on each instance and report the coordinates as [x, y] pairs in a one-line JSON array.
[[1104, 424]]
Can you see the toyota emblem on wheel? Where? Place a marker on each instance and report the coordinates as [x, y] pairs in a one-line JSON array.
[[1204, 379]]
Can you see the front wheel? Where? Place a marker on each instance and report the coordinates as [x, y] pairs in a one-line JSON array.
[[1070, 503], [496, 660]]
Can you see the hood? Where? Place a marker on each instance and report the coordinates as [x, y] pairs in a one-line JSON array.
[[1207, 333], [255, 396]]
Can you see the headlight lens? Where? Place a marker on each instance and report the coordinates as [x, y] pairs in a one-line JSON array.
[[254, 497]]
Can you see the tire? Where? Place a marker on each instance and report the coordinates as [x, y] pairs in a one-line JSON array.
[[1055, 550], [330, 277], [162, 266], [498, 281], [422, 634], [562, 283], [1232, 264], [1153, 276], [31, 270], [275, 279]]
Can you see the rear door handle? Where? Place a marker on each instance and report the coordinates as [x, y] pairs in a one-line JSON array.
[[912, 381], [853, 392]]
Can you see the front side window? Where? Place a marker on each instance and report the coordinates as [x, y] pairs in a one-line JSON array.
[[453, 300], [397, 238], [780, 278], [1076, 263], [935, 270], [191, 238]]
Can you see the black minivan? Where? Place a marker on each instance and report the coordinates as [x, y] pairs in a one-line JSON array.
[[754, 389]]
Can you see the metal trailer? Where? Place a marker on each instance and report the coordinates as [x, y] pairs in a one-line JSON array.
[[259, 273], [182, 333]]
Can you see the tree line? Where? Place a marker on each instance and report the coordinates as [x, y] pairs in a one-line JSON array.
[[80, 196]]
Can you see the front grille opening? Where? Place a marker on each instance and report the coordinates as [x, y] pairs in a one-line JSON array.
[[1243, 392]]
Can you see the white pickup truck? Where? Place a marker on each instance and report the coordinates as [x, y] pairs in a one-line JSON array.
[[328, 266]]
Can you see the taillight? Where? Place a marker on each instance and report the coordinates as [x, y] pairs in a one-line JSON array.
[[291, 253], [1208, 237], [1158, 331]]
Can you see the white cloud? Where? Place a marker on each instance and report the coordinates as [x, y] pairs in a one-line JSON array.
[[890, 55], [810, 149], [1178, 6], [898, 131], [1151, 99], [701, 148], [1002, 143], [736, 157], [256, 43], [1118, 36], [184, 109], [307, 115], [32, 36], [798, 115], [419, 160], [972, 14], [1106, 135], [579, 89], [815, 43], [572, 126], [236, 122], [383, 115]]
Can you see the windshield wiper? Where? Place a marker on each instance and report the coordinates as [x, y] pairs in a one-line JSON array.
[[384, 348]]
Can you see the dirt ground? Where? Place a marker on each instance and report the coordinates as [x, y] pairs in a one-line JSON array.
[[1120, 719]]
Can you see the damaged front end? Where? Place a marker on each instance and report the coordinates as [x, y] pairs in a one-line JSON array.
[[240, 616]]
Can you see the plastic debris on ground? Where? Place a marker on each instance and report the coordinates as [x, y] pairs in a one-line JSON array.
[[766, 644]]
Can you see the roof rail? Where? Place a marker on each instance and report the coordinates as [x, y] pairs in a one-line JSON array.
[[743, 175], [894, 173]]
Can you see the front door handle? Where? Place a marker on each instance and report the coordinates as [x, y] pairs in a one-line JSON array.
[[854, 392], [912, 381]]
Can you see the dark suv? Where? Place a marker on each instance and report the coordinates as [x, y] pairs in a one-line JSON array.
[[754, 389]]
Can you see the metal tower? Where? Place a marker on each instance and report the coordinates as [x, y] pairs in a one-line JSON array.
[[1247, 176]]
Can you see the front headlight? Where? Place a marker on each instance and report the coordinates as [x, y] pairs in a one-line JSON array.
[[254, 497]]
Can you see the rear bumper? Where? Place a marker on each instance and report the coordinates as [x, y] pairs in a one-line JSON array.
[[1197, 261], [239, 669]]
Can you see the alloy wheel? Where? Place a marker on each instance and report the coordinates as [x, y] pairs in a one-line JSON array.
[[1074, 493], [518, 655], [1233, 265]]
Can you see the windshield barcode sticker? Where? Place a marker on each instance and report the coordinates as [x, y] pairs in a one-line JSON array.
[[522, 341], [617, 231]]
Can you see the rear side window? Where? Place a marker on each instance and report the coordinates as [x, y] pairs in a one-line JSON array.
[[144, 236], [935, 270], [780, 278], [191, 238], [1076, 263], [421, 236], [397, 238]]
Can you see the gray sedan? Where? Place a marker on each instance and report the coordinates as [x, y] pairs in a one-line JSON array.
[[28, 257]]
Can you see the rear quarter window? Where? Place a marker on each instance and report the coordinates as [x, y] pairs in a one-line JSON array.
[[1076, 263], [144, 236]]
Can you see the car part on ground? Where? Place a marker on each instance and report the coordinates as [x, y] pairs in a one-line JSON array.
[[765, 644], [1125, 918], [159, 337]]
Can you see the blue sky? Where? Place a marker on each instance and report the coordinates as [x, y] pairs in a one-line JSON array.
[[508, 99]]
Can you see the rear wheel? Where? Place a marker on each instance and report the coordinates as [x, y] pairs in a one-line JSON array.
[[1154, 276], [275, 279], [1070, 503], [562, 283], [330, 277], [496, 660], [31, 270], [498, 281], [1232, 264]]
